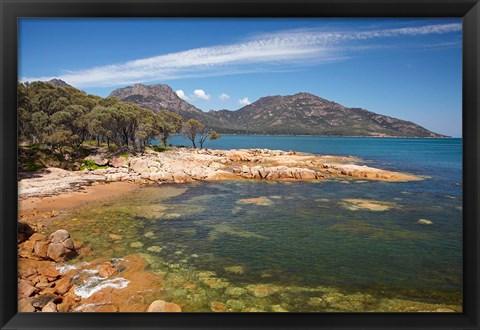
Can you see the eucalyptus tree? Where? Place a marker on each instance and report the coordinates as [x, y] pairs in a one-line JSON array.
[[168, 123]]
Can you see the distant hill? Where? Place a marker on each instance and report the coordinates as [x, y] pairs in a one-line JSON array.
[[299, 114]]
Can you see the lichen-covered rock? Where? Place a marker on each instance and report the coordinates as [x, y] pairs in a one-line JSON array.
[[41, 300]]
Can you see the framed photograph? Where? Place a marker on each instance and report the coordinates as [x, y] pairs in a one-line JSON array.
[[222, 164]]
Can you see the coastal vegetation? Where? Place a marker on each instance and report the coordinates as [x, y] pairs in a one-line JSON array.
[[58, 123]]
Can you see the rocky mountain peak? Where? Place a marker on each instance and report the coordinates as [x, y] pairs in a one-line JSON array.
[[301, 113], [58, 82]]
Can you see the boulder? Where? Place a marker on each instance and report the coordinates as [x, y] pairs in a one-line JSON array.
[[41, 300], [49, 308], [118, 162], [61, 246], [139, 165], [24, 306], [40, 249], [159, 306], [25, 288], [107, 270], [24, 231], [59, 236], [57, 251], [68, 243], [37, 237], [116, 177], [28, 245], [64, 284], [99, 160], [66, 304], [51, 273]]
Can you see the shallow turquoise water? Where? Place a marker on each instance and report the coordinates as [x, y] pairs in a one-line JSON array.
[[305, 236]]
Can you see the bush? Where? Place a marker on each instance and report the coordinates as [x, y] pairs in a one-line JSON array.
[[32, 167], [90, 164], [160, 148]]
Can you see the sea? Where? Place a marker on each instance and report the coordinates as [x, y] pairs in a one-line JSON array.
[[305, 249]]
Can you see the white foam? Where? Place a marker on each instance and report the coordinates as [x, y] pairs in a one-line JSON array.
[[96, 283], [65, 268]]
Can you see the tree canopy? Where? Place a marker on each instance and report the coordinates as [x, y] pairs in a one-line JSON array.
[[61, 117]]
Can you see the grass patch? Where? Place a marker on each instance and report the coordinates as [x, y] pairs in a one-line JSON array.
[[90, 164], [161, 148]]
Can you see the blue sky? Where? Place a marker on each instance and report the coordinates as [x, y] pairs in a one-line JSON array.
[[405, 68]]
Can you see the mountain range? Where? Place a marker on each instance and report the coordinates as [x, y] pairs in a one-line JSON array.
[[298, 114]]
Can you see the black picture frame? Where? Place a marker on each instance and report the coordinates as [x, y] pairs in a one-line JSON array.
[[469, 10]]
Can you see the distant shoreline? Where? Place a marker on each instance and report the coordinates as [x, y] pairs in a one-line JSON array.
[[182, 165], [340, 136]]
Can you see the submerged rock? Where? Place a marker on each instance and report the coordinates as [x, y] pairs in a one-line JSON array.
[[154, 248], [217, 306], [262, 290], [115, 237], [137, 245], [278, 309], [235, 305], [160, 306], [235, 291], [425, 222], [235, 270], [353, 204], [264, 201]]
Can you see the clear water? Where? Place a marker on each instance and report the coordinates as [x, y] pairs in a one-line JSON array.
[[303, 251]]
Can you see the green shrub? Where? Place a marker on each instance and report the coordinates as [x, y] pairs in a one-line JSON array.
[[90, 164], [32, 167], [160, 148]]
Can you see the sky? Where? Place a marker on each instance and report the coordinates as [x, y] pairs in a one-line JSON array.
[[401, 67]]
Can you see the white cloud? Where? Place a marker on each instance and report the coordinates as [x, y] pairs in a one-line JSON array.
[[261, 53], [200, 94], [244, 101], [181, 94], [224, 97]]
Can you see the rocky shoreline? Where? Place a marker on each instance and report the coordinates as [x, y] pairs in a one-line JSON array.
[[48, 282], [186, 165]]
